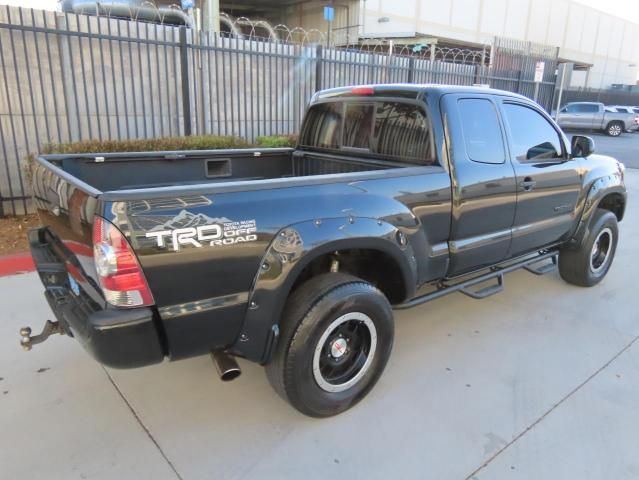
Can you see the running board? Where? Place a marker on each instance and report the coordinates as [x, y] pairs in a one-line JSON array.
[[483, 292], [543, 269], [496, 273]]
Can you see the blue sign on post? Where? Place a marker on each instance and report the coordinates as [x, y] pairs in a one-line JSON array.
[[329, 13]]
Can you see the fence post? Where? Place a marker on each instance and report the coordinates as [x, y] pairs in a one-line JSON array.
[[519, 75], [318, 67], [477, 75], [68, 74], [186, 87], [411, 70]]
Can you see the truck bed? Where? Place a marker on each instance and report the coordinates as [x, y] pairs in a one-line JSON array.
[[130, 171]]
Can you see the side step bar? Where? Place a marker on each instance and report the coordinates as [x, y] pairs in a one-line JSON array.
[[496, 273], [544, 269]]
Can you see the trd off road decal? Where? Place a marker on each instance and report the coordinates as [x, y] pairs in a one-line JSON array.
[[225, 233]]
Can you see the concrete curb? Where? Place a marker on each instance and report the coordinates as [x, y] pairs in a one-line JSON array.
[[14, 264]]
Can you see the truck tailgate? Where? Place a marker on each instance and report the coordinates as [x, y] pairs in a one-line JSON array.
[[66, 209]]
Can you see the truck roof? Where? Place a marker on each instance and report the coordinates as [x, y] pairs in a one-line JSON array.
[[412, 89]]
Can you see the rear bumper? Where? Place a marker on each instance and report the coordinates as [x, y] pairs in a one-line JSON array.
[[120, 338]]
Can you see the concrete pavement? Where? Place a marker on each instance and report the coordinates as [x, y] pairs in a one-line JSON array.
[[540, 381]]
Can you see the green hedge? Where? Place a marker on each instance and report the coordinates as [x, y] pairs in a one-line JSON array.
[[204, 142], [275, 141], [198, 142]]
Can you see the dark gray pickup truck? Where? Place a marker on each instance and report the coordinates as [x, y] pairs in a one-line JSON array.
[[295, 258]]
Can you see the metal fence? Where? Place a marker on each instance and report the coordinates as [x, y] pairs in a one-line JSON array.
[[67, 77], [608, 97]]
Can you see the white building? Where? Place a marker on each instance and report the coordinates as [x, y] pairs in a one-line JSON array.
[[604, 48]]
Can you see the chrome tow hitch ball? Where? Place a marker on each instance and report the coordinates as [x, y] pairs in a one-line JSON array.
[[50, 328]]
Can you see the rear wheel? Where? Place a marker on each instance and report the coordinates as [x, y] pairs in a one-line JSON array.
[[337, 335], [614, 129], [588, 265]]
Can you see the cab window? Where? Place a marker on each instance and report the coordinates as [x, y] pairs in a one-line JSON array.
[[586, 108], [323, 126], [393, 131], [482, 134], [402, 133], [532, 137], [358, 126]]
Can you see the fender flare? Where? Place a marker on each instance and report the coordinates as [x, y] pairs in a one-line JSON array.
[[292, 249], [599, 189]]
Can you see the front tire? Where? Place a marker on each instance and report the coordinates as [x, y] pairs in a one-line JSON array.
[[614, 129], [588, 264], [336, 337]]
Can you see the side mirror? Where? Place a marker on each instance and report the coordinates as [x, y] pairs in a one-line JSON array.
[[581, 146]]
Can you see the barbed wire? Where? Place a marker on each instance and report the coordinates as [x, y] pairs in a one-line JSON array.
[[261, 30], [246, 28]]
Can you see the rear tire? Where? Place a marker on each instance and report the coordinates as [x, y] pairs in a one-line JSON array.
[[614, 129], [588, 264], [336, 337]]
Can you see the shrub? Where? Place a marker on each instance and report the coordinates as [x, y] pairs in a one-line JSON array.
[[275, 141], [196, 142]]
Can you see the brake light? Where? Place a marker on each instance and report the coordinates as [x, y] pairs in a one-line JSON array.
[[119, 272], [362, 90]]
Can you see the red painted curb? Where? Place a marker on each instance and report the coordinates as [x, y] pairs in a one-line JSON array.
[[18, 263]]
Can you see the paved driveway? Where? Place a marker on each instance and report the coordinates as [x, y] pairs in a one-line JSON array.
[[539, 382]]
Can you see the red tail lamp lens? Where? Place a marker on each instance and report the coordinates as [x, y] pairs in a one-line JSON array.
[[119, 272]]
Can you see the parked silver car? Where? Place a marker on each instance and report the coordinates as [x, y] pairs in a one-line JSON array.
[[595, 116]]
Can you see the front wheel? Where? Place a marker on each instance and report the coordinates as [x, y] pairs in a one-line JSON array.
[[588, 264], [336, 338], [614, 129]]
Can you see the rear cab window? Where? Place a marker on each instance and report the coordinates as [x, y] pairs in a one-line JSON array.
[[386, 130]]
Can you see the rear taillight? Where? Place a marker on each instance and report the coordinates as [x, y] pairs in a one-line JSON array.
[[119, 272]]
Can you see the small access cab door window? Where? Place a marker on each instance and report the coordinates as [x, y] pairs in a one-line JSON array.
[[482, 133]]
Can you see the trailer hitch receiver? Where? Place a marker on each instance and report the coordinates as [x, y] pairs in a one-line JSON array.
[[50, 328]]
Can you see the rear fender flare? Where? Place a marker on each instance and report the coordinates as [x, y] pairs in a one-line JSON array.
[[291, 250]]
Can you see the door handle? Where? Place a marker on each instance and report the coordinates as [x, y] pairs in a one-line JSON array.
[[528, 184]]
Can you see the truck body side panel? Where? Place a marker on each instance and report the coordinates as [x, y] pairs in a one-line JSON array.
[[209, 313]]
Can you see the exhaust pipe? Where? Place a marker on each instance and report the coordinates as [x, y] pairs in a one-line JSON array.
[[227, 367]]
